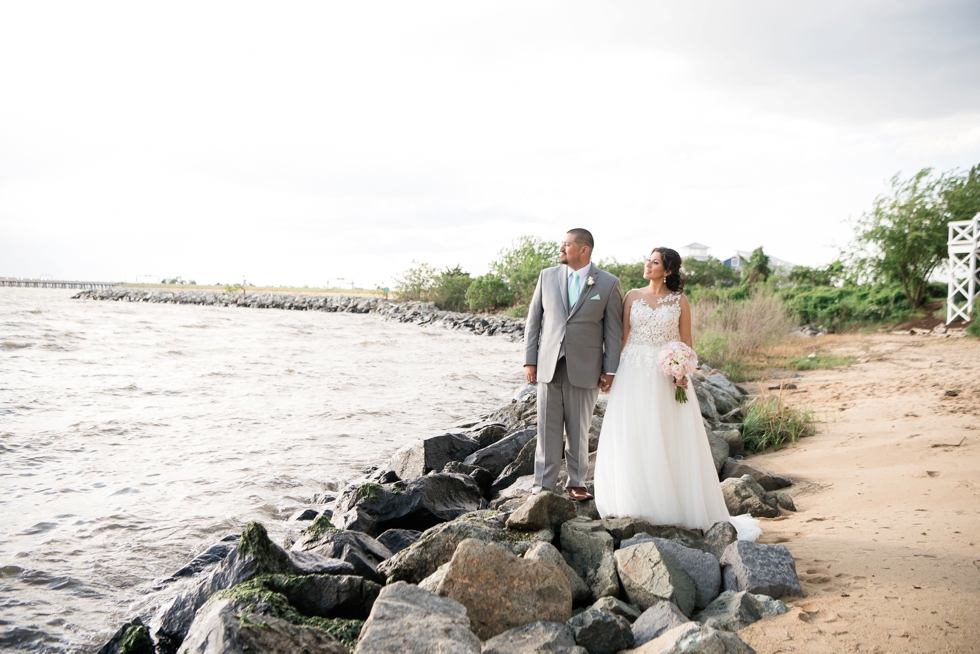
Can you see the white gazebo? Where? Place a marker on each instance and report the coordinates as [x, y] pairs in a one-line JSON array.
[[964, 268]]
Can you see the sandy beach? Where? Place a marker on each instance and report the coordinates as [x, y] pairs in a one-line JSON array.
[[888, 492]]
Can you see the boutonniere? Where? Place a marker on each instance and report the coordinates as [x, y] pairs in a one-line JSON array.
[[589, 282]]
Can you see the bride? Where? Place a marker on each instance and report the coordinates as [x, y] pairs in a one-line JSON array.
[[654, 461]]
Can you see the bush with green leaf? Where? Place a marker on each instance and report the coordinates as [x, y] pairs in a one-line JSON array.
[[520, 265], [630, 274], [769, 422], [835, 308], [449, 289], [488, 292], [415, 283], [710, 273], [973, 329]]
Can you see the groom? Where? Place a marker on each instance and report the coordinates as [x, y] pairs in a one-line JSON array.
[[572, 342]]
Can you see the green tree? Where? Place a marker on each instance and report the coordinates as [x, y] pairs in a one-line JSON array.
[[416, 282], [903, 238], [520, 265], [630, 274], [710, 273], [756, 268], [449, 289], [488, 292], [829, 275]]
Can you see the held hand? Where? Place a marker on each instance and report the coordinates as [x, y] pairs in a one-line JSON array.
[[531, 373], [682, 383], [605, 382]]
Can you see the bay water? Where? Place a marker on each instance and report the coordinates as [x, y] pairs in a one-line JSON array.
[[133, 436]]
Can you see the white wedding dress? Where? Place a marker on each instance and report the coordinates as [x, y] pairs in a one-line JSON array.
[[654, 461]]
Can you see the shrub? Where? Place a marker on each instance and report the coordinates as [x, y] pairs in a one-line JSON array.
[[726, 331], [973, 329], [835, 308], [630, 274], [710, 273], [769, 422], [488, 292], [416, 282], [520, 265], [449, 289]]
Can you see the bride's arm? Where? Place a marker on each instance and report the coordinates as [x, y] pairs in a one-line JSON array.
[[685, 324], [627, 305]]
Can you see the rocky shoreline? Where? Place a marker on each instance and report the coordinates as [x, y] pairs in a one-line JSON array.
[[444, 549], [419, 313]]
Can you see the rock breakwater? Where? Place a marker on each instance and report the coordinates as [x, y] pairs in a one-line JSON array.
[[419, 313], [444, 548]]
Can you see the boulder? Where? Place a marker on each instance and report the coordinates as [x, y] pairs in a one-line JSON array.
[[695, 638], [488, 434], [398, 539], [255, 555], [662, 616], [226, 626], [719, 450], [706, 403], [720, 381], [732, 610], [546, 510], [588, 548], [703, 569], [649, 574], [724, 402], [431, 583], [521, 466], [354, 547], [498, 456], [718, 538], [601, 632], [769, 481], [336, 596], [540, 637], [481, 476], [415, 504], [406, 618], [428, 454], [731, 435], [304, 515], [548, 553], [132, 638], [743, 495], [784, 501], [213, 555], [501, 591], [617, 607], [434, 548], [760, 569], [516, 415], [357, 519], [623, 529]]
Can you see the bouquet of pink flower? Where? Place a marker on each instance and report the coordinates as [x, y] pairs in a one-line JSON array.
[[678, 360]]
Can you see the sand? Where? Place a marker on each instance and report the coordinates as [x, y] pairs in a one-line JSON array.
[[887, 534]]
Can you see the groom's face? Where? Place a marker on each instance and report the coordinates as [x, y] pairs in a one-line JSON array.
[[572, 254]]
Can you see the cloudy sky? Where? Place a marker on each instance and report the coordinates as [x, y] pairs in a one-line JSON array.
[[297, 143]]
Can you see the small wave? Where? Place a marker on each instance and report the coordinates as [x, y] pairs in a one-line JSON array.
[[175, 353], [125, 491], [10, 345], [39, 528]]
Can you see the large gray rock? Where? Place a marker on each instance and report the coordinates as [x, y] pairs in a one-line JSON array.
[[622, 529], [225, 626], [408, 619], [428, 454], [538, 637], [397, 540], [356, 519], [415, 504], [501, 591], [720, 381], [255, 555], [548, 553], [743, 495], [521, 466], [724, 402], [731, 435], [588, 548], [718, 538], [659, 618], [650, 574], [481, 476], [132, 638], [732, 611], [546, 510], [769, 481], [695, 638], [719, 450], [360, 550], [618, 607], [760, 569], [784, 500], [703, 569], [434, 548], [706, 403], [601, 632], [337, 596], [496, 457]]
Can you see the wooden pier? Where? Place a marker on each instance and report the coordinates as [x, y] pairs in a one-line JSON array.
[[53, 283]]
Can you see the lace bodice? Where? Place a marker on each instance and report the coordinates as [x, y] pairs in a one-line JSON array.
[[652, 327]]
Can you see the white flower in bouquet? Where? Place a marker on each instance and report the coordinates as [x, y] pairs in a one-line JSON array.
[[677, 360]]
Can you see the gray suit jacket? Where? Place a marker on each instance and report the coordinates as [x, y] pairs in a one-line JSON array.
[[592, 330]]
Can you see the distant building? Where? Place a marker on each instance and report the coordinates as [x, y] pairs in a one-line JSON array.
[[742, 257], [695, 251]]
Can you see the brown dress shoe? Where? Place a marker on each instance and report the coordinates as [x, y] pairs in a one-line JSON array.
[[579, 494]]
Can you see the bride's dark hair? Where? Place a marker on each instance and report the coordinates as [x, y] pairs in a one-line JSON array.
[[672, 264]]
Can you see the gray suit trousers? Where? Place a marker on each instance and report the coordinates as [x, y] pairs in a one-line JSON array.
[[563, 408]]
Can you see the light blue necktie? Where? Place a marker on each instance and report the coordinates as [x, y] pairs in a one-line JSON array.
[[573, 289]]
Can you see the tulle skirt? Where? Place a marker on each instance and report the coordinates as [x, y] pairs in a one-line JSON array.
[[653, 460]]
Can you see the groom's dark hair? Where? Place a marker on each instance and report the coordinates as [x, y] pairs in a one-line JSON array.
[[583, 237]]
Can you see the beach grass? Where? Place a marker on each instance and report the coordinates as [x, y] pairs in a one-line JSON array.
[[771, 423]]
